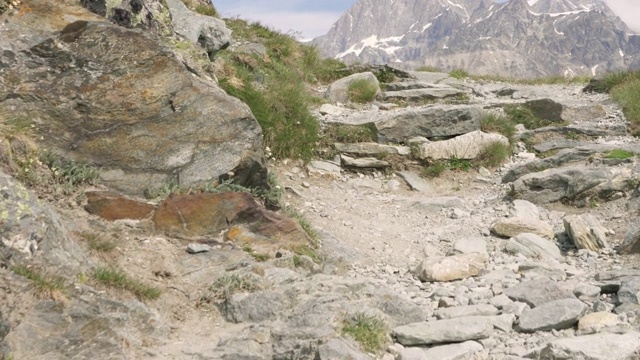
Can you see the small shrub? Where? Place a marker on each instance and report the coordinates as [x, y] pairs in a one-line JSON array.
[[619, 154], [454, 163], [44, 283], [305, 250], [72, 173], [385, 76], [434, 170], [428, 69], [118, 279], [495, 154], [458, 74], [369, 331], [362, 91], [229, 284], [491, 123], [523, 115]]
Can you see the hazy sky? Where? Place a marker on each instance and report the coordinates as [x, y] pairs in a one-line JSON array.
[[311, 18]]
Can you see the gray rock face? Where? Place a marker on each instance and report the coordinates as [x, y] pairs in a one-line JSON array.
[[31, 229], [592, 347], [209, 32], [418, 95], [585, 232], [368, 162], [631, 243], [444, 331], [558, 315], [465, 350], [339, 349], [415, 182], [338, 92], [147, 14], [451, 268], [563, 157], [538, 292], [532, 245], [402, 125], [569, 184], [120, 123], [369, 149], [462, 311], [467, 146]]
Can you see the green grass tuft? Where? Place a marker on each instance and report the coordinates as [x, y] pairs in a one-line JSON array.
[[458, 74], [98, 243], [44, 283], [491, 123], [495, 154], [523, 115], [619, 154], [118, 279], [428, 69], [369, 331], [627, 94], [434, 170], [303, 221], [362, 91]]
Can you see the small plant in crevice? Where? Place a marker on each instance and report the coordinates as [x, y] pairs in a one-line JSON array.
[[493, 123], [260, 257], [434, 169], [458, 74], [494, 154], [305, 250], [45, 283], [362, 91], [118, 279], [228, 284], [98, 243], [619, 154], [368, 331], [303, 221]]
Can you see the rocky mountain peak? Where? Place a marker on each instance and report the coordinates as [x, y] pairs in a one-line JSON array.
[[516, 38]]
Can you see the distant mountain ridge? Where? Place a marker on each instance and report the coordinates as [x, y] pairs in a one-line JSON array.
[[517, 38]]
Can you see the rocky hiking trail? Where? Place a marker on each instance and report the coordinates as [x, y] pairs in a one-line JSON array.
[[531, 260]]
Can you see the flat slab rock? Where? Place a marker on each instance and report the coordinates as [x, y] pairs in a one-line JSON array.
[[460, 351], [466, 146], [592, 347], [585, 232], [533, 246], [554, 315], [538, 292], [514, 226], [444, 331]]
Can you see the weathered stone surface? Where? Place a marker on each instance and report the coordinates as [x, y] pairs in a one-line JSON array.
[[467, 146], [558, 315], [592, 347], [102, 329], [137, 112], [417, 95], [198, 248], [534, 246], [525, 209], [31, 229], [323, 168], [207, 214], [469, 245], [602, 321], [207, 31], [338, 92], [511, 227], [412, 85], [568, 156], [451, 267], [112, 206], [579, 129], [151, 15], [631, 244], [364, 163], [462, 351], [585, 232], [339, 349], [629, 292], [415, 182], [436, 204], [255, 307], [570, 184], [371, 149], [444, 331], [332, 110], [469, 310], [402, 125], [538, 292], [541, 270]]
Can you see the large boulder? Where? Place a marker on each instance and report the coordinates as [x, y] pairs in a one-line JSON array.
[[434, 121], [127, 106], [150, 15], [586, 232]]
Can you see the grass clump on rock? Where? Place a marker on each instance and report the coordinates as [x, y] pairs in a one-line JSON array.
[[619, 154], [494, 154], [458, 74], [492, 123], [627, 93], [229, 284], [118, 279], [45, 283], [369, 331], [275, 86], [362, 91]]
